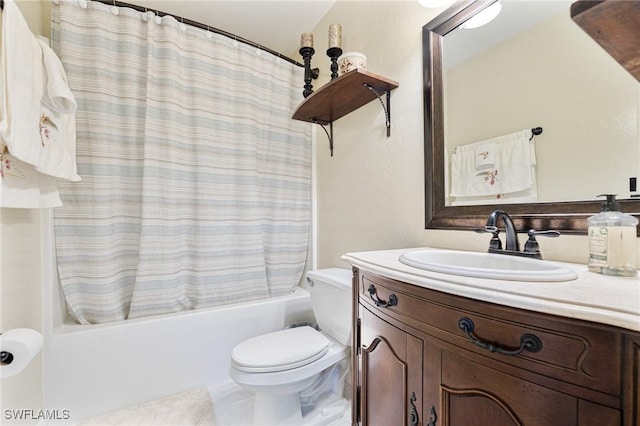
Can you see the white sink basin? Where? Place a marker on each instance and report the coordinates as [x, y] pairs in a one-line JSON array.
[[487, 265]]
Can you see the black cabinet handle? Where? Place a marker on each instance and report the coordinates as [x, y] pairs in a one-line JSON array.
[[393, 299], [414, 419], [434, 416], [528, 342]]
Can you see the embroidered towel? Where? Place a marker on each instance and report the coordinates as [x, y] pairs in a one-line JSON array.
[[526, 196], [57, 121], [21, 86], [23, 187], [484, 155], [21, 95], [513, 169]]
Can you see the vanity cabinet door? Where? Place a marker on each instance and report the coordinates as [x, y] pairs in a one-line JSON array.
[[391, 374], [473, 394]]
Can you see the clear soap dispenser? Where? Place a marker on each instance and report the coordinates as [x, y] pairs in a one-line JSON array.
[[612, 240]]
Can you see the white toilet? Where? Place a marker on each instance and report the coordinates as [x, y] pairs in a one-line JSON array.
[[297, 373]]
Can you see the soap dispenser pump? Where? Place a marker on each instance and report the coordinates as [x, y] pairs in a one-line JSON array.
[[612, 240]]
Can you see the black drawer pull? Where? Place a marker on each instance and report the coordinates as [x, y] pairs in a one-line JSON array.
[[393, 299], [528, 342]]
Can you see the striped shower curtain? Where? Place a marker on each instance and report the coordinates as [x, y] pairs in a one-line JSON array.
[[195, 184]]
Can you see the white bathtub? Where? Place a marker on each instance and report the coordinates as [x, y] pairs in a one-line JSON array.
[[93, 369], [90, 370]]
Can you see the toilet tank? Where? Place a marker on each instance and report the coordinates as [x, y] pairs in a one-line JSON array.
[[331, 297]]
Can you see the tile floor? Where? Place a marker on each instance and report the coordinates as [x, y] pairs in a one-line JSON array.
[[226, 405], [233, 406]]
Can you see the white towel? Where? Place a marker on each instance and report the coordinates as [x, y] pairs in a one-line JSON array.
[[22, 127], [24, 188], [21, 86], [526, 196], [57, 94], [513, 168], [485, 155], [57, 121]]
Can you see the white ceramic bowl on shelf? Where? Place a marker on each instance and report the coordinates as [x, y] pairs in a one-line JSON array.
[[350, 61]]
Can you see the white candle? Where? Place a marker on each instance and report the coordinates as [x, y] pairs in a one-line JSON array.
[[306, 40], [335, 35]]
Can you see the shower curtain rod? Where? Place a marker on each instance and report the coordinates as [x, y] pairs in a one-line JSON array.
[[198, 25]]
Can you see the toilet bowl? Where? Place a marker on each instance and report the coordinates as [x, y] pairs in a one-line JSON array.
[[281, 366]]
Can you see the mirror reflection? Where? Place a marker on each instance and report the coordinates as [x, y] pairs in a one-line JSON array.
[[532, 66], [590, 106]]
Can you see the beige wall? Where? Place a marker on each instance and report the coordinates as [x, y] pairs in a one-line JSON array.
[[21, 268], [371, 193]]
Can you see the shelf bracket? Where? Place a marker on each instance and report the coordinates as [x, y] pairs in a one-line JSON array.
[[379, 91], [329, 133]]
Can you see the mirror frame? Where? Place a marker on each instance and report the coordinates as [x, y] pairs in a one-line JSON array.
[[567, 217]]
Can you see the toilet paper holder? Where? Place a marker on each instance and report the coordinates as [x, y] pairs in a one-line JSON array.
[[18, 348], [6, 358]]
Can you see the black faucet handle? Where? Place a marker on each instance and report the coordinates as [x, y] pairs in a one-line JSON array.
[[551, 233], [487, 229], [532, 246], [495, 242]]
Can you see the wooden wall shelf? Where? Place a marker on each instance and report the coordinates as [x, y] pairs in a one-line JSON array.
[[343, 95]]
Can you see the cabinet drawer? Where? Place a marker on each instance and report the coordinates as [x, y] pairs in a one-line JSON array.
[[571, 351]]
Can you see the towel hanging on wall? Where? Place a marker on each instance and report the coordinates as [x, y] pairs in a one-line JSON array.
[[21, 86], [20, 96], [57, 121], [497, 169], [37, 118]]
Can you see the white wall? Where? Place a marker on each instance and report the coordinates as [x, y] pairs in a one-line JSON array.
[[21, 269], [371, 193], [21, 300]]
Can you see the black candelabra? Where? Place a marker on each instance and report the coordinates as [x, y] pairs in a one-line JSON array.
[[334, 53], [307, 53]]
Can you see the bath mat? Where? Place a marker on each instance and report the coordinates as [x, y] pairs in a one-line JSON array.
[[187, 408]]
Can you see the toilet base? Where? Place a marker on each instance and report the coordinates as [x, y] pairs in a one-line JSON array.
[[285, 410], [336, 411], [271, 409]]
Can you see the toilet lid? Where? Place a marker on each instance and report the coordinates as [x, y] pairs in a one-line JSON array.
[[280, 350]]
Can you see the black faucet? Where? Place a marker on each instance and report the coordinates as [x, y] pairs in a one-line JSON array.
[[512, 245]]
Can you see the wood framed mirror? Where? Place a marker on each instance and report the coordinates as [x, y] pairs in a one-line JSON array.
[[566, 216]]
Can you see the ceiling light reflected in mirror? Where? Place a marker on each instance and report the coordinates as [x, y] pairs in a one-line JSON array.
[[483, 17], [432, 4]]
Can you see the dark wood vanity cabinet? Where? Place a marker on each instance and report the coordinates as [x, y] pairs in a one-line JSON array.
[[423, 357]]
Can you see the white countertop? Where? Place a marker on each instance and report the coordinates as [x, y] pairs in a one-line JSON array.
[[592, 297]]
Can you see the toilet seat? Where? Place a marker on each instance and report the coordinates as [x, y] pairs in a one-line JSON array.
[[281, 350]]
